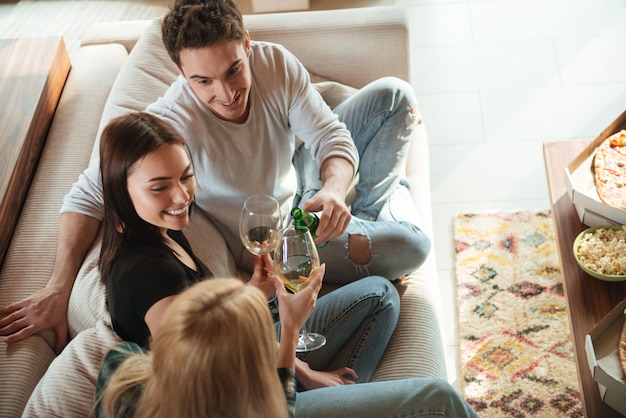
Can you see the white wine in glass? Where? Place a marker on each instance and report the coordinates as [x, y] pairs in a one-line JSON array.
[[260, 224], [296, 260]]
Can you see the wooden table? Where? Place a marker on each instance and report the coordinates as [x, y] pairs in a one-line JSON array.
[[33, 72], [588, 299]]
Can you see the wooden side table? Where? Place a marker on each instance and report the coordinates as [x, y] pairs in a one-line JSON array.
[[33, 72], [588, 299]]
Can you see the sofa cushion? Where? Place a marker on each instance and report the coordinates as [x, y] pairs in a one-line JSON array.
[[350, 46], [332, 92], [67, 389], [88, 299]]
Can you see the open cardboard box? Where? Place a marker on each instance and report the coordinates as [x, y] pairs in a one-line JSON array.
[[603, 359], [581, 188]]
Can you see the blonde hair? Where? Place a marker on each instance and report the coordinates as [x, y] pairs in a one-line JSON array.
[[214, 355]]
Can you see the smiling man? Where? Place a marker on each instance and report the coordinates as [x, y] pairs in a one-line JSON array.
[[224, 87], [241, 103]]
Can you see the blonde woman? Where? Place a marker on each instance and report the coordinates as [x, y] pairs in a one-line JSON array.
[[214, 355]]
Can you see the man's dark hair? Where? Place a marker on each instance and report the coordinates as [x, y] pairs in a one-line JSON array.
[[200, 23]]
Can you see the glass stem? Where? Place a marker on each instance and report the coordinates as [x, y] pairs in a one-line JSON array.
[[303, 331]]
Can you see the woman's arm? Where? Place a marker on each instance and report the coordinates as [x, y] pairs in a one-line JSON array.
[[154, 315], [143, 282], [288, 380]]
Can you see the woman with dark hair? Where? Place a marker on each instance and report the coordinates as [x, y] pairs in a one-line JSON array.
[[148, 189]]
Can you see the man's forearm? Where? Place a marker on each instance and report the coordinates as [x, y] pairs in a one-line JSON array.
[[77, 233], [337, 173]]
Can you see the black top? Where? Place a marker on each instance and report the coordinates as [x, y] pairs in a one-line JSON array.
[[140, 277]]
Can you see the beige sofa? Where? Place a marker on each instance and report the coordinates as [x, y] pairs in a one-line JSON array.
[[115, 72]]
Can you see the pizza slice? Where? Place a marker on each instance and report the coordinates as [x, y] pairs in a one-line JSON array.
[[609, 166]]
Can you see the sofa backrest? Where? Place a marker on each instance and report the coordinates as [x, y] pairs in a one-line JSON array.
[[349, 46]]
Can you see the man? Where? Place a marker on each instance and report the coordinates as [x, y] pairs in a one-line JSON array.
[[239, 103]]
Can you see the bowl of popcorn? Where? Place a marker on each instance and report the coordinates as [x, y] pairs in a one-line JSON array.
[[601, 252]]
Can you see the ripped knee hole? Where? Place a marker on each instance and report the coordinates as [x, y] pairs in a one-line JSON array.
[[359, 249]]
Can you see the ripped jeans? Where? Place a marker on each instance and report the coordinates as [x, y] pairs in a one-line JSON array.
[[381, 117], [358, 320], [406, 398]]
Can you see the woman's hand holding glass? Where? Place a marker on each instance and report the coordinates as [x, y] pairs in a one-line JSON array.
[[297, 261], [295, 308]]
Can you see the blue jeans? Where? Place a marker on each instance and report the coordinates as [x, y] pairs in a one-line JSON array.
[[381, 125], [417, 397], [357, 320]]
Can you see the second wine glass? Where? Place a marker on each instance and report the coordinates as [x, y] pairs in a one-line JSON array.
[[260, 224], [296, 260]]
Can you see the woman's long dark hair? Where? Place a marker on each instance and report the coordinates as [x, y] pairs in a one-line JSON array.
[[124, 141]]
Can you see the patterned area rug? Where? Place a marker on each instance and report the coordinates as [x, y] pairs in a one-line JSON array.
[[515, 348]]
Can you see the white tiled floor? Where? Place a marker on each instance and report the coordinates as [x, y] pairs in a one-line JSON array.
[[496, 79]]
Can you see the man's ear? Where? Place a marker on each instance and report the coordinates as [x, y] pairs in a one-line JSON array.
[[178, 69], [246, 43]]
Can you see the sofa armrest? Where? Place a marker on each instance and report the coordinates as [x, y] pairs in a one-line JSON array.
[[30, 257]]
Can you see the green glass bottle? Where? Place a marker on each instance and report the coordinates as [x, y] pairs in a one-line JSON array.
[[309, 220]]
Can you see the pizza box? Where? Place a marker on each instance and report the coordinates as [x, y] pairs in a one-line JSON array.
[[581, 188], [601, 346]]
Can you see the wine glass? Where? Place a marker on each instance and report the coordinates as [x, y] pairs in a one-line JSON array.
[[296, 260], [260, 224]]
